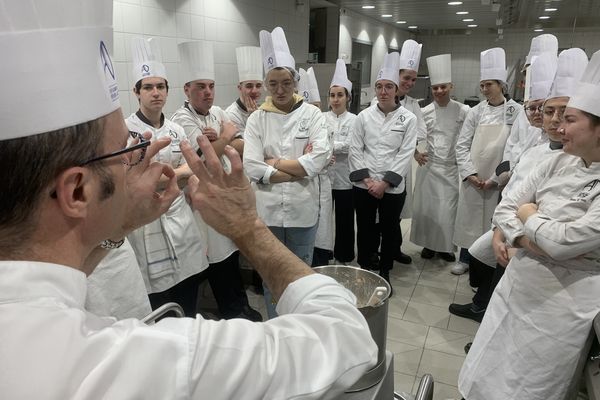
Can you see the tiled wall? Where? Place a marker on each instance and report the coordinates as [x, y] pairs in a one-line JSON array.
[[465, 52], [227, 23]]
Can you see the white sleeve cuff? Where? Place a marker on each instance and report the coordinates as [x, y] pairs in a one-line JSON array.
[[266, 179], [314, 285], [532, 225]]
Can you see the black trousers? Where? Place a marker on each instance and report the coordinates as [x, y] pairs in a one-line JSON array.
[[225, 279], [185, 293], [343, 206], [389, 208], [485, 279]]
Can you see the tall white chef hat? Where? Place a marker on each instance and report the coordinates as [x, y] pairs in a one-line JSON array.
[[56, 69], [340, 77], [389, 68], [541, 75], [493, 65], [197, 60], [410, 55], [307, 86], [587, 91], [275, 50], [147, 60], [249, 63], [545, 43], [440, 69], [571, 64]]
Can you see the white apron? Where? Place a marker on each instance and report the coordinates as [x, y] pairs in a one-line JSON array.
[[475, 206], [324, 237]]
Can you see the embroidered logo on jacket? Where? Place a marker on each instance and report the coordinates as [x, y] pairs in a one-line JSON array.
[[588, 193]]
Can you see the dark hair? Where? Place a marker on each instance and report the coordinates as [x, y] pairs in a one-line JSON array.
[[28, 167], [138, 86], [594, 119]]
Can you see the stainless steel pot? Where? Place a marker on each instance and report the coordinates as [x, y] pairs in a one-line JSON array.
[[364, 284]]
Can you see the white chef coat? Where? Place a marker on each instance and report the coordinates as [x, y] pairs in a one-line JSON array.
[[476, 207], [437, 182], [238, 114], [219, 247], [324, 235], [382, 146], [482, 248], [171, 248], [52, 348], [116, 287], [523, 136], [342, 127], [541, 312], [285, 136]]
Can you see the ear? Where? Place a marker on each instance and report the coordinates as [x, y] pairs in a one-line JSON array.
[[136, 93], [74, 191]]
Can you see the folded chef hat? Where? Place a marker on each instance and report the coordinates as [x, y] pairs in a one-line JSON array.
[[541, 75], [197, 60], [56, 69], [587, 91], [389, 68], [440, 69], [249, 63], [493, 65], [545, 43], [147, 60], [410, 55], [571, 64], [307, 86], [275, 50], [340, 76]]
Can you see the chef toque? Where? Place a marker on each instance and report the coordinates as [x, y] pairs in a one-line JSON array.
[[571, 64], [275, 50], [307, 86], [389, 68], [249, 63], [147, 61], [541, 75], [340, 76], [410, 55], [440, 69], [197, 61], [586, 96], [56, 69], [493, 65], [545, 43]]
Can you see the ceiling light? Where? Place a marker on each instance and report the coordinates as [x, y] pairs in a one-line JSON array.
[[545, 17], [455, 3], [538, 30], [368, 7], [400, 22], [462, 12], [413, 27], [550, 9], [472, 25], [468, 20], [386, 15]]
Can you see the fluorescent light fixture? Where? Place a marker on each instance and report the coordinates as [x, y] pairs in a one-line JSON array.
[[386, 15], [544, 17], [368, 7], [413, 27], [550, 9], [462, 12], [468, 20], [538, 30], [400, 22], [472, 25], [455, 3]]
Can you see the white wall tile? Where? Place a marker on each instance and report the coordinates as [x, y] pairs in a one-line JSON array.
[[167, 5], [132, 18], [213, 29], [183, 22], [120, 50], [198, 27], [158, 22], [168, 47], [184, 6], [197, 7], [117, 17], [131, 1]]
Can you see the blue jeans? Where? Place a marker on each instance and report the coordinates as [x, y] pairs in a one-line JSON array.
[[301, 242]]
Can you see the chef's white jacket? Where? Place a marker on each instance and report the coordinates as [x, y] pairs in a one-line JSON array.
[[52, 348], [523, 136], [382, 147], [342, 127], [238, 114], [285, 136]]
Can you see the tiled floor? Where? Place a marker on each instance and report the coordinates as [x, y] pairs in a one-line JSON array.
[[422, 334]]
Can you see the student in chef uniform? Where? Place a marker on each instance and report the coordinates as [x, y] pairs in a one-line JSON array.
[[380, 153], [287, 145], [341, 122], [436, 186], [540, 315], [522, 134], [199, 116], [479, 150], [323, 251], [169, 250], [250, 86], [552, 81], [53, 217]]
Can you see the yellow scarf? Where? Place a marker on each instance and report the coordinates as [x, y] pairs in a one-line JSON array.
[[268, 105]]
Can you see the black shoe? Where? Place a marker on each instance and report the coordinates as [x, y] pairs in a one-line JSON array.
[[403, 258], [250, 314], [449, 257], [468, 347], [470, 311], [427, 253]]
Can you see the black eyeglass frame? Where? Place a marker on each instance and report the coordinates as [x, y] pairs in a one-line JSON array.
[[142, 145]]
